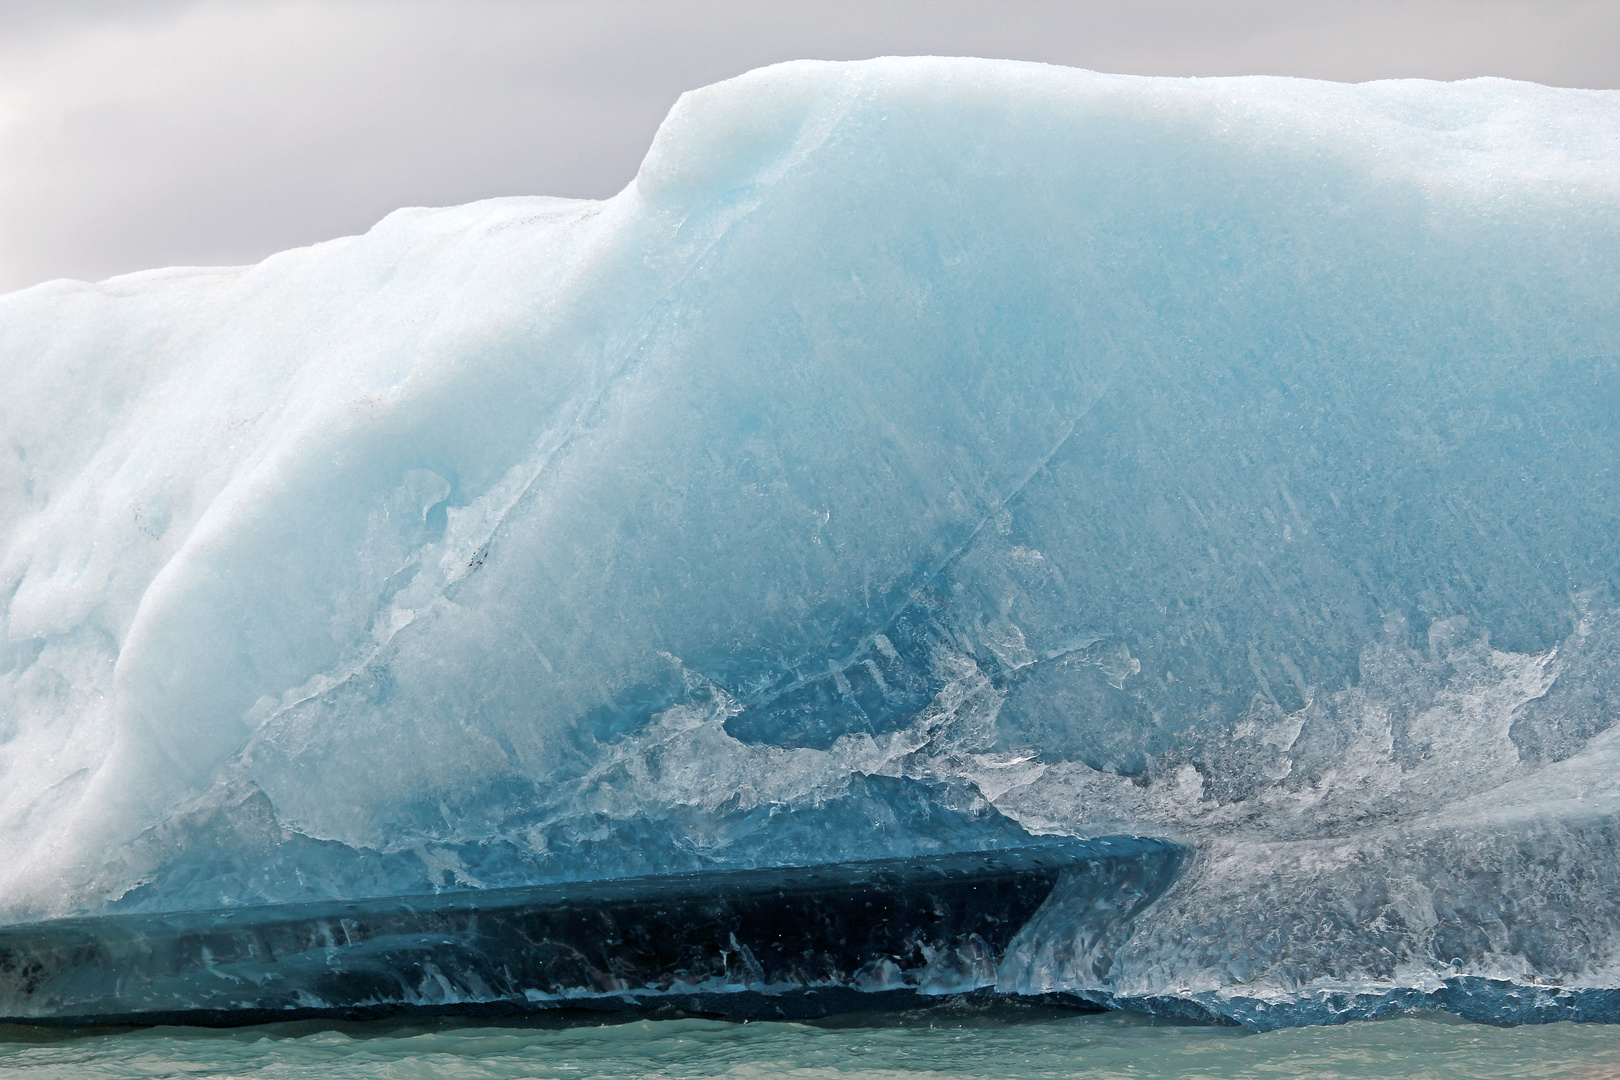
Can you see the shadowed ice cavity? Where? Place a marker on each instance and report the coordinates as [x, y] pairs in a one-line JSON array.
[[917, 455]]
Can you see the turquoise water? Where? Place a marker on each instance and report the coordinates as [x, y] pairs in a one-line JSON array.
[[946, 1042]]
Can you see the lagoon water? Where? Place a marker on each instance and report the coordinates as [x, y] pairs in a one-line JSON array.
[[950, 1041]]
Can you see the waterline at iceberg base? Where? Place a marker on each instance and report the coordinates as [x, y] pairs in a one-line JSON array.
[[784, 943], [920, 457]]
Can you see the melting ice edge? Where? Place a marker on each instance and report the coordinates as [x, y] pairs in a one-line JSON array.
[[789, 942], [785, 943]]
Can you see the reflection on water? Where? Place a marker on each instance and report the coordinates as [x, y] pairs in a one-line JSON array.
[[952, 1040]]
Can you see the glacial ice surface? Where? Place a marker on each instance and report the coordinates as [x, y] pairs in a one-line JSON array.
[[918, 455]]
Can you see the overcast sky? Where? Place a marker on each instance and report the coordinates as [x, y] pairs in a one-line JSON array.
[[140, 133]]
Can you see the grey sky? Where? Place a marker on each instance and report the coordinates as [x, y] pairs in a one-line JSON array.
[[158, 132]]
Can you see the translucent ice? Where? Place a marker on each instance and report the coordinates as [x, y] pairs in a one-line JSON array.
[[916, 455]]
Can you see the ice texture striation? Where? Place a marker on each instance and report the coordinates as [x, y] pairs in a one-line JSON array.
[[918, 455]]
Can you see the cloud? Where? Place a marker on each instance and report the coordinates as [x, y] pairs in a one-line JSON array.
[[220, 131]]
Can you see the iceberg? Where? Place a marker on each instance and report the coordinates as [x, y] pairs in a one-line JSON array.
[[920, 457]]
